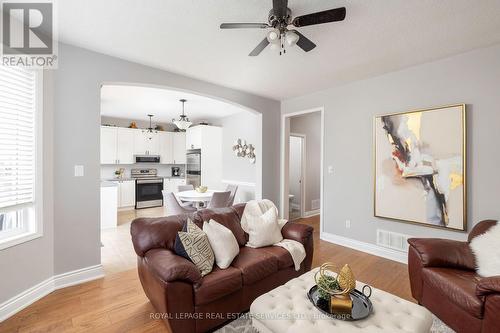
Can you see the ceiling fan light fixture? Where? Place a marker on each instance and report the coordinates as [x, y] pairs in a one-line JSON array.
[[291, 38], [274, 36]]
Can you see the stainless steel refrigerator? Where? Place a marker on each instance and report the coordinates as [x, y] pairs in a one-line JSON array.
[[193, 167]]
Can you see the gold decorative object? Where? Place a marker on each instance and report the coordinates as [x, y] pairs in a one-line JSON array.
[[133, 124], [340, 300], [201, 189]]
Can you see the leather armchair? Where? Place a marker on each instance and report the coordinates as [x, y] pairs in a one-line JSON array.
[[444, 280], [188, 302]]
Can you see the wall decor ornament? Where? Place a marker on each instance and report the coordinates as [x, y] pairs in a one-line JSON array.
[[242, 149], [420, 167]]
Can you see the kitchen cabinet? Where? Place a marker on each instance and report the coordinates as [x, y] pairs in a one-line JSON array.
[[126, 193], [166, 147], [194, 137], [108, 145], [209, 140], [109, 202], [146, 143], [117, 145], [179, 147], [125, 145], [120, 145]]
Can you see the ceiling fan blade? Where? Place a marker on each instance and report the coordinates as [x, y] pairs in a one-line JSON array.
[[244, 25], [304, 43], [262, 45], [280, 7], [332, 15]]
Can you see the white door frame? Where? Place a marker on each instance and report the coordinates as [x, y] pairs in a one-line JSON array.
[[285, 154], [303, 171]]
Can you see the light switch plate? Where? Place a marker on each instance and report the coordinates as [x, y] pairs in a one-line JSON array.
[[330, 169], [79, 171]]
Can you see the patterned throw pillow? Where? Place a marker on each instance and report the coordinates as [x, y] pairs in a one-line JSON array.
[[192, 243]]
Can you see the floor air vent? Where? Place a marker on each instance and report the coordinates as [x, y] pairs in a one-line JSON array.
[[392, 240]]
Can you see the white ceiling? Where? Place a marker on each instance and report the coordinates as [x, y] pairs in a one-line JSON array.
[[377, 36], [132, 102]]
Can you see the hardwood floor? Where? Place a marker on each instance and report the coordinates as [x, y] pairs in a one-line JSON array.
[[116, 303]]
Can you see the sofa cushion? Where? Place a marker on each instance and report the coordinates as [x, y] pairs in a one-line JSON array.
[[226, 216], [458, 286], [193, 244], [255, 264], [217, 284], [284, 258]]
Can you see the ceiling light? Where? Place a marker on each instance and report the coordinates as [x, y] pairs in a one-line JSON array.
[[183, 123], [150, 130], [273, 36], [291, 38]]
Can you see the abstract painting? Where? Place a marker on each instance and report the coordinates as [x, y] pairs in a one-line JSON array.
[[420, 171]]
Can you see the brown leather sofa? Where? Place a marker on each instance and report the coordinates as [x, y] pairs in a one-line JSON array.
[[444, 280], [189, 303]]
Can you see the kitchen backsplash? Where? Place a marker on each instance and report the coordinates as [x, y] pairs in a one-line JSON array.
[[164, 170]]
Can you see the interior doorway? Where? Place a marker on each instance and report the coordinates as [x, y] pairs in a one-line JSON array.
[[302, 164], [296, 176]]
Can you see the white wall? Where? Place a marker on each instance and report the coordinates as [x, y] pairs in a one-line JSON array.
[[295, 173], [310, 125], [472, 78], [246, 126]]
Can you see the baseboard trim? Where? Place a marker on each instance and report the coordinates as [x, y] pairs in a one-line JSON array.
[[373, 249], [78, 276], [312, 213], [33, 294]]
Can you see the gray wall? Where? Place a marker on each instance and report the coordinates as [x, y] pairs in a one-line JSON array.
[[246, 126], [30, 263], [310, 126], [472, 78], [76, 141]]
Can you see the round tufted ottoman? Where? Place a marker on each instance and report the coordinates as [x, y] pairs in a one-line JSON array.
[[287, 309]]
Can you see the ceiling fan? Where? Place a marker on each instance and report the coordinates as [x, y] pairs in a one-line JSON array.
[[280, 19]]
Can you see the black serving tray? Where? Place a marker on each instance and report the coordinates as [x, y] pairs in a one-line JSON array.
[[361, 305]]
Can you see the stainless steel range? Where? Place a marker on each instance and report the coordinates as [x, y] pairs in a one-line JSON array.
[[148, 187]]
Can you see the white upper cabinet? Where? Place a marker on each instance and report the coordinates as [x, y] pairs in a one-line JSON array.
[[146, 143], [166, 147], [120, 145], [126, 192], [179, 147], [125, 146], [193, 137], [108, 145]]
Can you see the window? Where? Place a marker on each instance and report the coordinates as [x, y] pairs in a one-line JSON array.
[[20, 155]]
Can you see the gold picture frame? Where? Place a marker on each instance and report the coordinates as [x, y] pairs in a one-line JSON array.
[[429, 185]]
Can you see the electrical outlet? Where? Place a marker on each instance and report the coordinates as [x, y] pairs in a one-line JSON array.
[[348, 224], [330, 169]]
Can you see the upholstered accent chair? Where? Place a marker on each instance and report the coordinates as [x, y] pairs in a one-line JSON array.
[[443, 278]]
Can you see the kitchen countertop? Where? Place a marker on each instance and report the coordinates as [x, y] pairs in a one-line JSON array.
[[130, 178], [108, 184]]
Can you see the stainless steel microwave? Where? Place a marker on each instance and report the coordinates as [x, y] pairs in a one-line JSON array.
[[147, 158]]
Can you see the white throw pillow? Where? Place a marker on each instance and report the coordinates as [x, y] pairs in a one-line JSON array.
[[263, 230], [487, 252], [223, 243]]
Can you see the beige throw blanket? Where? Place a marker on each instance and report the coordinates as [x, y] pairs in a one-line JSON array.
[[260, 221]]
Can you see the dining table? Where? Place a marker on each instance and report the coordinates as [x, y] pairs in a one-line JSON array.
[[200, 200]]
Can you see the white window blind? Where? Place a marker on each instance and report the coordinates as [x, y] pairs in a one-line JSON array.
[[17, 141]]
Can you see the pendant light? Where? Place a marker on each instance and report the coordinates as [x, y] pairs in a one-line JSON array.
[[150, 130], [183, 123]]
